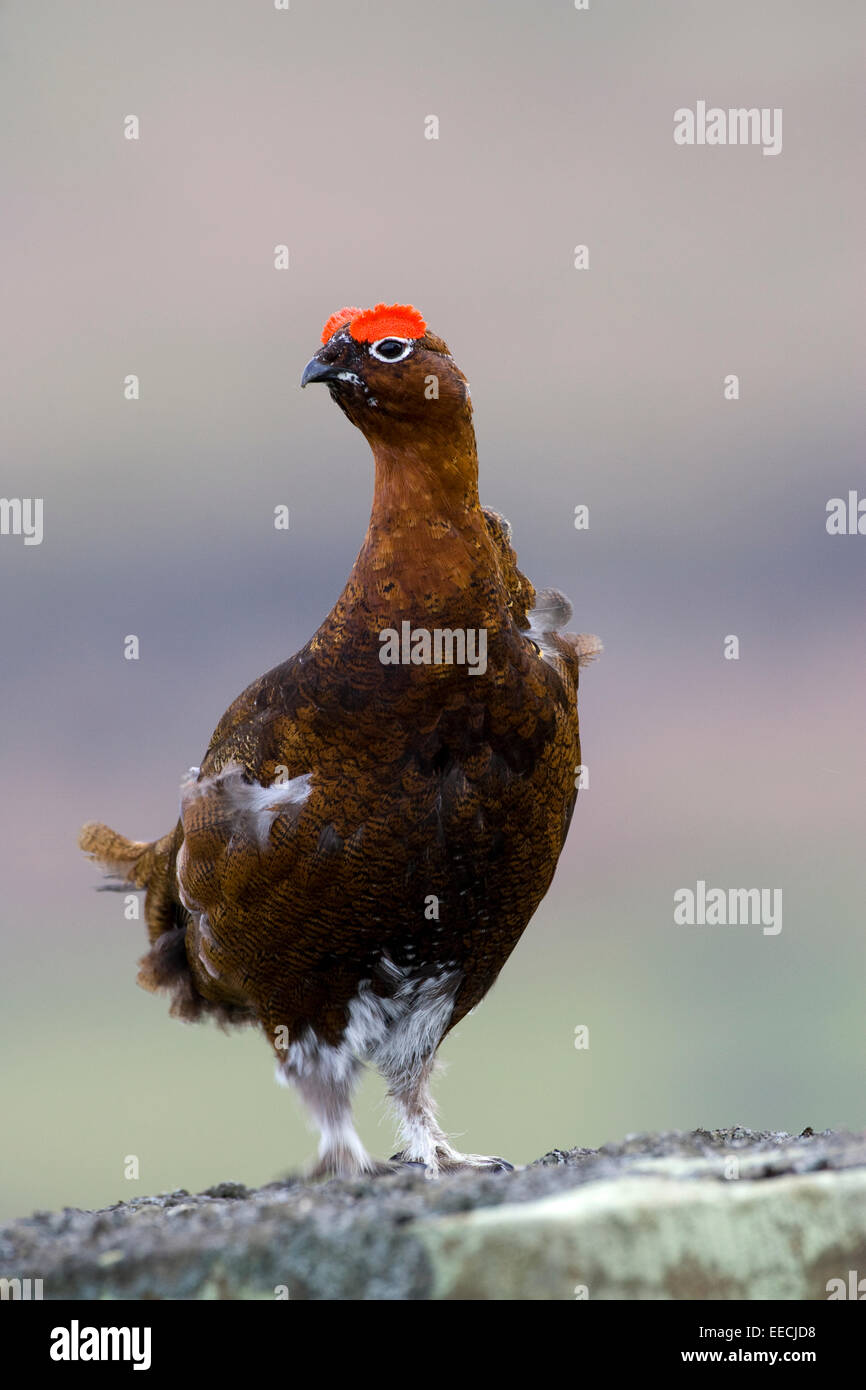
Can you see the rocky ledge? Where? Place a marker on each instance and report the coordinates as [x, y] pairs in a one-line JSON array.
[[730, 1214]]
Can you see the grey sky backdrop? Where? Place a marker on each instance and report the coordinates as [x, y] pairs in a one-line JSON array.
[[602, 387]]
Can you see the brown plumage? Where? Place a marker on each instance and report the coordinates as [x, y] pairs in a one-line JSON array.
[[364, 843]]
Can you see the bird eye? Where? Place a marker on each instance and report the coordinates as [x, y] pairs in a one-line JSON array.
[[391, 349]]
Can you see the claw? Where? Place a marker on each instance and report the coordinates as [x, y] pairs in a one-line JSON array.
[[474, 1163], [403, 1162]]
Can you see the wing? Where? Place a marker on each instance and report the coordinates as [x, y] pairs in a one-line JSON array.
[[521, 594]]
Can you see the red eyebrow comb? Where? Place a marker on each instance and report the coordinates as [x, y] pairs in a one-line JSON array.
[[382, 321]]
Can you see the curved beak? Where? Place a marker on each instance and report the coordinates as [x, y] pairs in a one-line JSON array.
[[317, 370]]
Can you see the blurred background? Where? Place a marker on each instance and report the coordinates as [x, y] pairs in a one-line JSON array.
[[601, 387]]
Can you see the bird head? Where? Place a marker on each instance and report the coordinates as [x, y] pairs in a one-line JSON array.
[[388, 373]]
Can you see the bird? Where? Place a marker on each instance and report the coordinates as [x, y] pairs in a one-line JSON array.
[[376, 820]]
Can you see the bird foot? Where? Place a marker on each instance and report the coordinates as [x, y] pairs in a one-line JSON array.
[[465, 1163], [326, 1169], [397, 1163], [449, 1161]]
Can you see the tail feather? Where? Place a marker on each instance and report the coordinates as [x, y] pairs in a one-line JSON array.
[[140, 864], [152, 865], [128, 861]]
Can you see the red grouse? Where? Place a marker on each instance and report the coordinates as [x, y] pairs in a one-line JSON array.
[[376, 820]]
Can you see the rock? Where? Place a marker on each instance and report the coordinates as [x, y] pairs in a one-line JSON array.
[[724, 1214]]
